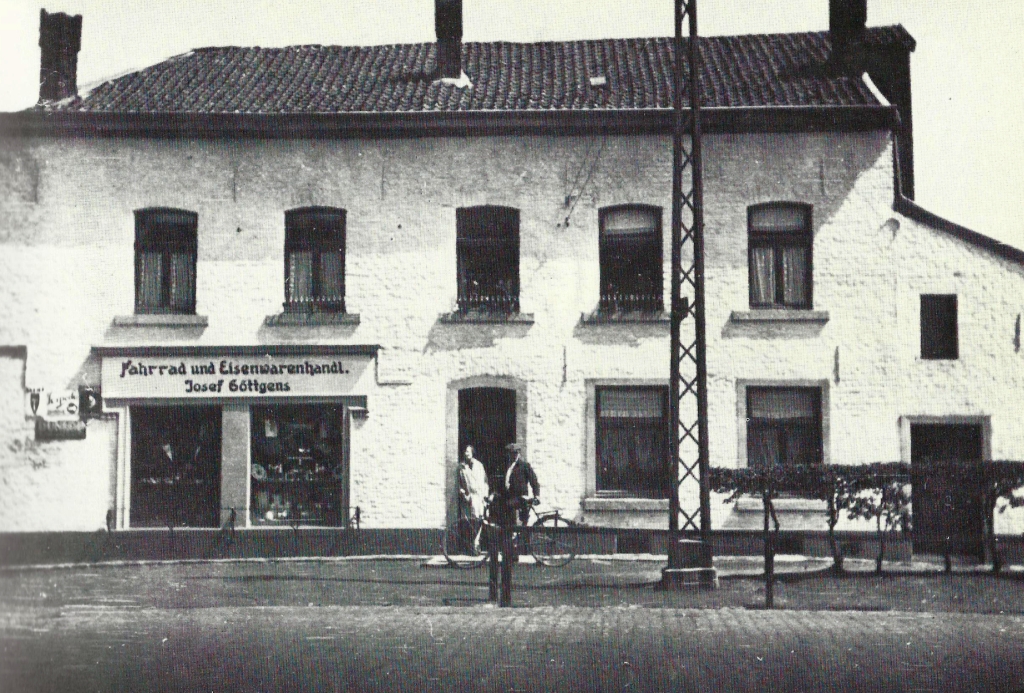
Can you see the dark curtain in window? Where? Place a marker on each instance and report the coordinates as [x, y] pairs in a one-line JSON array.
[[165, 261], [315, 259], [487, 247], [783, 426], [780, 256], [630, 256], [631, 442]]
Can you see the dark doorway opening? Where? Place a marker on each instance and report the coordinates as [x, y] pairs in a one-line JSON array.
[[487, 421], [175, 467], [946, 509]]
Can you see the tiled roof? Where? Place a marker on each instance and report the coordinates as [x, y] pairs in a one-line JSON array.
[[738, 71]]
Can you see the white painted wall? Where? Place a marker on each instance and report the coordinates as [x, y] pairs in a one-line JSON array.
[[67, 229]]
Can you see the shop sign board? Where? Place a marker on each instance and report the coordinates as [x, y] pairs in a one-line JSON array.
[[54, 405], [230, 377], [59, 430]]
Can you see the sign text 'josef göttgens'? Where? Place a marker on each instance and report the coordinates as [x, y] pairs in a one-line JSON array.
[[258, 376]]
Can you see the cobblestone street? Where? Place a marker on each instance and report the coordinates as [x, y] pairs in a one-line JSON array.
[[271, 626], [538, 649]]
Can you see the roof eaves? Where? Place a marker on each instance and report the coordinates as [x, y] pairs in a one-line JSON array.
[[912, 210], [441, 123]]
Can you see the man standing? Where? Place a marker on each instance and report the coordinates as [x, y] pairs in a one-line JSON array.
[[520, 483]]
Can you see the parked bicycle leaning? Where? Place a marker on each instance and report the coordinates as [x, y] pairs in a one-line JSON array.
[[514, 498]]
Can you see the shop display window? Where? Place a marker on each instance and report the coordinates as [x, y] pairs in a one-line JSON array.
[[175, 466], [298, 471]]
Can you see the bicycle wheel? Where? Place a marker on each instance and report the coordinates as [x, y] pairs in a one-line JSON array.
[[457, 545], [553, 548]]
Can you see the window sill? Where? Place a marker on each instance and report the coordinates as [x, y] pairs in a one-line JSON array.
[[485, 317], [599, 504], [752, 504], [776, 315], [604, 317], [161, 320], [296, 318]]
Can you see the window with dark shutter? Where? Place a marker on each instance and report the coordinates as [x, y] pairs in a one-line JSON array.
[[632, 453], [939, 332], [780, 242], [630, 257], [165, 261], [314, 265], [487, 247], [783, 425]]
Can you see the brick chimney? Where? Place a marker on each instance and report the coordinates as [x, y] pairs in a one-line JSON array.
[[846, 25], [448, 25], [60, 37]]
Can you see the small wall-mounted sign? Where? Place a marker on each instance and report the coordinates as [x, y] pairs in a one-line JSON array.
[[60, 405], [33, 399], [90, 400], [60, 430]]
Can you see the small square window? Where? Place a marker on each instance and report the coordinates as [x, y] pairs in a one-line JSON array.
[[165, 261], [939, 333], [630, 256], [780, 243], [315, 260], [632, 436], [784, 426], [487, 247]]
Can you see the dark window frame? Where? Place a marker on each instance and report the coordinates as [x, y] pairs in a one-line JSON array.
[[638, 300], [936, 343], [317, 230], [661, 426], [170, 232], [777, 240], [472, 243], [817, 421]]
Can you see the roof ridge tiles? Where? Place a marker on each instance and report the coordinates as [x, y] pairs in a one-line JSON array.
[[749, 71]]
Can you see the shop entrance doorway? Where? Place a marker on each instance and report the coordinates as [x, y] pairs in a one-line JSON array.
[[175, 467], [487, 421], [946, 507]]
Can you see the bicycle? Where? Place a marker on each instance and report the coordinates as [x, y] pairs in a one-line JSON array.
[[549, 548]]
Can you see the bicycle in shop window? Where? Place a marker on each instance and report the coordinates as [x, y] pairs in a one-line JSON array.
[[550, 539]]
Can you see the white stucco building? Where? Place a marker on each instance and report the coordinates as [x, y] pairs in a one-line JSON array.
[[302, 279]]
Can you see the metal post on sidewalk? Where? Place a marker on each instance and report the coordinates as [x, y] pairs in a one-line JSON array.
[[492, 559], [507, 559]]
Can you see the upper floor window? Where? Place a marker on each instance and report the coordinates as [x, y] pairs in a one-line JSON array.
[[314, 264], [780, 255], [165, 261], [630, 256], [487, 246], [939, 333], [632, 437], [784, 425]]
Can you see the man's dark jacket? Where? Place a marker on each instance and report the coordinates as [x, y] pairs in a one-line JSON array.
[[522, 477]]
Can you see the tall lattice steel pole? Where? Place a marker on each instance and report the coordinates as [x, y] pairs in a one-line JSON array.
[[689, 550]]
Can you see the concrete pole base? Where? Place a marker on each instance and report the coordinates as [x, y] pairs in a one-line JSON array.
[[689, 566]]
